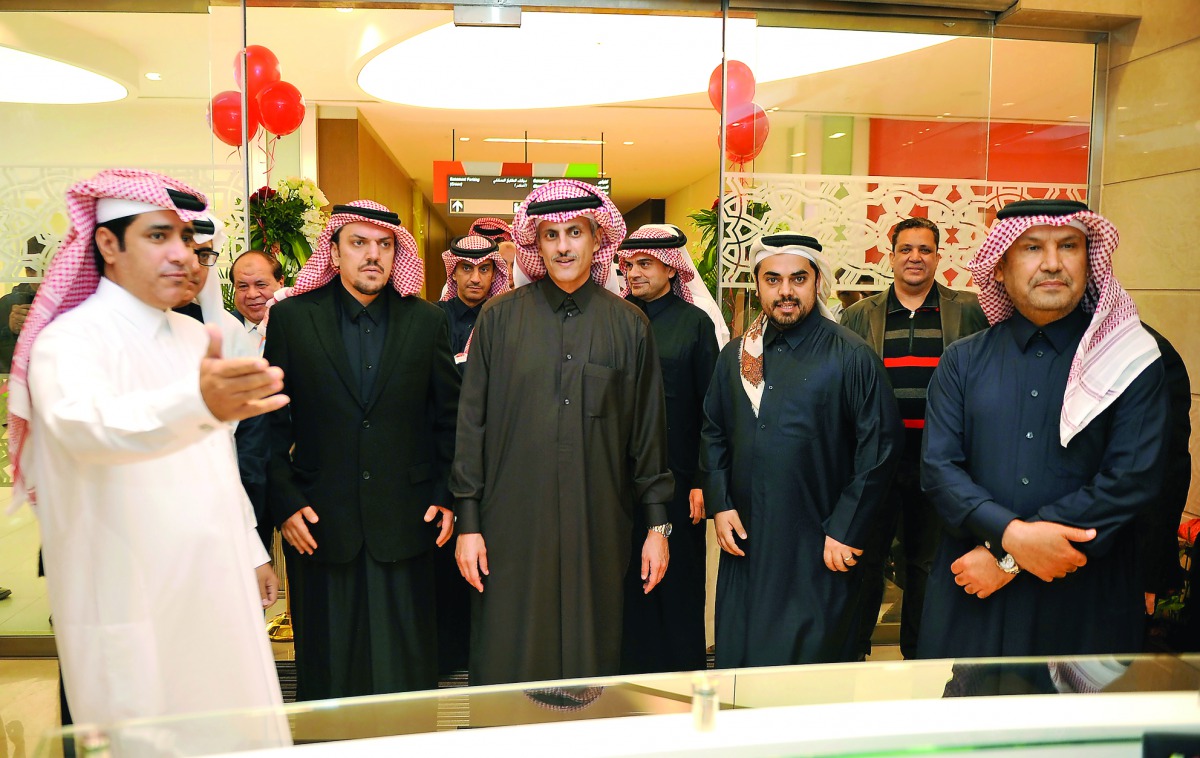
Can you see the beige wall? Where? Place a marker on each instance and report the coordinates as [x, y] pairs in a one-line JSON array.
[[354, 164], [1151, 177], [698, 195]]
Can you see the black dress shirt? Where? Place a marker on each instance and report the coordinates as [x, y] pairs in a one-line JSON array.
[[462, 322], [363, 331]]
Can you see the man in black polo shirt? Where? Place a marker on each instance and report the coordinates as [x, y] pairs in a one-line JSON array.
[[909, 325]]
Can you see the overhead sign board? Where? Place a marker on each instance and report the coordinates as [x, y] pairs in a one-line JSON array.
[[500, 195]]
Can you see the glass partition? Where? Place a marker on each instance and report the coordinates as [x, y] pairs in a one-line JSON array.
[[100, 86], [887, 126], [904, 122], [1073, 694]]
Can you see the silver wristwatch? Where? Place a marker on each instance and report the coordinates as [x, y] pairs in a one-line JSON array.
[[663, 529], [1008, 564]]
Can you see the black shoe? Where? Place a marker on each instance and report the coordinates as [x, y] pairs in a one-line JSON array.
[[4, 592]]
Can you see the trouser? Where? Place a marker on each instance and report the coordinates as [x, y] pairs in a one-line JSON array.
[[917, 527], [364, 627]]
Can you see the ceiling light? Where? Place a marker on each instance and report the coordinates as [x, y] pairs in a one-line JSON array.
[[799, 155], [947, 113], [30, 78], [837, 135], [536, 141], [681, 51], [1029, 131], [464, 139], [772, 110], [627, 142], [1072, 116], [1005, 105], [154, 76]]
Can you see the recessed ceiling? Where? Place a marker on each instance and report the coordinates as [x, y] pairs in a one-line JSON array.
[[558, 60]]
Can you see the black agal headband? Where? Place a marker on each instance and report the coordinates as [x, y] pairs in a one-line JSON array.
[[386, 217]]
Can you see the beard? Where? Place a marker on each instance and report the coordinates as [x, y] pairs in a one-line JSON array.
[[368, 287], [784, 321]]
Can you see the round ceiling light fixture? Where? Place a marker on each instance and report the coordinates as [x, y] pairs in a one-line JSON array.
[[30, 78], [556, 60]]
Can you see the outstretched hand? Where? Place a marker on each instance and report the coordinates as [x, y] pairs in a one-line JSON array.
[[238, 388]]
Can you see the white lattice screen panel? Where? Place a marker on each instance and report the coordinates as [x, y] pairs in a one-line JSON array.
[[851, 217], [32, 207]]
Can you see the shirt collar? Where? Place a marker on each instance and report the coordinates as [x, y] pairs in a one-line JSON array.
[[932, 300], [1062, 334], [796, 334], [250, 326], [146, 318], [461, 309], [555, 296], [656, 306], [376, 311]]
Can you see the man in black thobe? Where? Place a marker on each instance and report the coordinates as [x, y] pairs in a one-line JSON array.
[[358, 467], [664, 630], [800, 439], [475, 272], [1158, 525], [1044, 437], [561, 446], [501, 233]]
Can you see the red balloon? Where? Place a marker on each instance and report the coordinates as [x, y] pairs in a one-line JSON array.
[[741, 85], [746, 132], [263, 68], [281, 107], [225, 117]]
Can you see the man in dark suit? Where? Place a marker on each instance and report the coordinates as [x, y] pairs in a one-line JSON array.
[[909, 324], [357, 475]]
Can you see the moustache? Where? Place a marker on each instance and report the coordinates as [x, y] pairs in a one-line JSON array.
[[1042, 279], [783, 300]]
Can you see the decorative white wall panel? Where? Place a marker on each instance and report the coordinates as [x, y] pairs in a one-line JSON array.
[[32, 207], [852, 216]]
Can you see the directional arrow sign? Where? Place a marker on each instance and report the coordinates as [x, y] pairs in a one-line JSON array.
[[456, 206]]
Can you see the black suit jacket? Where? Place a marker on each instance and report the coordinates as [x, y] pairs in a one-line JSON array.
[[369, 467]]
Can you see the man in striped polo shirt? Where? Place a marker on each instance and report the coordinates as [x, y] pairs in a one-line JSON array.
[[909, 325]]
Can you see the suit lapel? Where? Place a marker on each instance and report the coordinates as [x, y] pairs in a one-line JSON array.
[[393, 345], [951, 315], [329, 335], [877, 321]]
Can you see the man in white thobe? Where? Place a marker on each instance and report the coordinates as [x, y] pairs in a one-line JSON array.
[[120, 426]]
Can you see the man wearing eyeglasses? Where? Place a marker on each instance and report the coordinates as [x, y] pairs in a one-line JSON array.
[[202, 301]]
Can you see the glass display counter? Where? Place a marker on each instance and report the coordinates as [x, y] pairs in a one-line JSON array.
[[1073, 706]]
